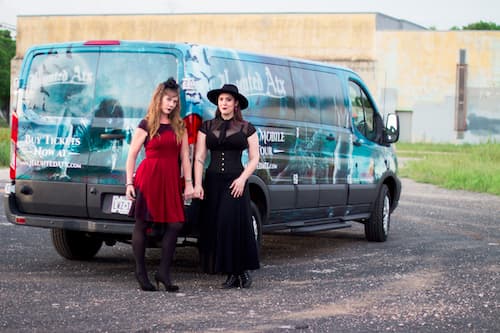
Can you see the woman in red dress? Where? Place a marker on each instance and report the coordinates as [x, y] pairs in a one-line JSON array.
[[156, 188]]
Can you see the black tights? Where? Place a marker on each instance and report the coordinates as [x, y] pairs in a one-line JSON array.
[[168, 244]]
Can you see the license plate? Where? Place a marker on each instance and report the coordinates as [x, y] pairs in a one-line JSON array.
[[120, 204]]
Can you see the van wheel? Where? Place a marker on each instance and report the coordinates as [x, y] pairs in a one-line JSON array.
[[256, 224], [377, 228], [75, 245]]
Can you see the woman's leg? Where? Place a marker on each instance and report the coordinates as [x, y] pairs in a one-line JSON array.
[[168, 245], [139, 249]]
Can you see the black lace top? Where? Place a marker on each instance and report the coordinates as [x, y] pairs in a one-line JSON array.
[[226, 139]]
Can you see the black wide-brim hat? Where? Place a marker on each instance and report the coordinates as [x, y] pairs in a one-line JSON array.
[[213, 95]]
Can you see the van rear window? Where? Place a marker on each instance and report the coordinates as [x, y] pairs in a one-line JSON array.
[[81, 108], [76, 83]]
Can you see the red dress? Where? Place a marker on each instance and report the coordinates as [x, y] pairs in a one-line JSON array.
[[157, 179]]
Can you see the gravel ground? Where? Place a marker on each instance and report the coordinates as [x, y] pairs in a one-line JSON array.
[[438, 272]]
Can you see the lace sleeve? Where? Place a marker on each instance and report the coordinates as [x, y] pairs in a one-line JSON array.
[[205, 127], [250, 129]]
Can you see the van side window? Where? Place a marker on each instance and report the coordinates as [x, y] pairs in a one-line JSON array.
[[306, 92], [268, 87], [332, 105], [363, 113]]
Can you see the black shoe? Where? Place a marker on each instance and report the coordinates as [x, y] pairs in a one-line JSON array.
[[245, 279], [144, 282], [232, 281], [168, 286]]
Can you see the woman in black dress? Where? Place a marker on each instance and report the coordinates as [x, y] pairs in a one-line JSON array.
[[227, 238]]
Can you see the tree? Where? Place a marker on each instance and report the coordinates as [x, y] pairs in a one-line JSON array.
[[481, 25], [7, 52]]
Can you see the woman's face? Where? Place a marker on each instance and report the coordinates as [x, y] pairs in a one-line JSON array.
[[226, 104], [169, 101]]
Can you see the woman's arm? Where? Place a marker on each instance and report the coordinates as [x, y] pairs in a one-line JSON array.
[[199, 164], [238, 184], [135, 146], [186, 167]]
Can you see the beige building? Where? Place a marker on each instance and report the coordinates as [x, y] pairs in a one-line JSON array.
[[409, 69]]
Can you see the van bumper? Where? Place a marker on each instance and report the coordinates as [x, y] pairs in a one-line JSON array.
[[16, 217]]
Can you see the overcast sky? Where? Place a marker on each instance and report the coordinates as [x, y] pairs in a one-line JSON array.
[[442, 14]]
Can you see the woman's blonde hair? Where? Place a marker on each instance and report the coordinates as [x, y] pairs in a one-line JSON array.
[[154, 111]]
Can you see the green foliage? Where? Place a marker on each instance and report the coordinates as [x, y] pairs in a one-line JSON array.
[[481, 25], [7, 52], [461, 167], [4, 146]]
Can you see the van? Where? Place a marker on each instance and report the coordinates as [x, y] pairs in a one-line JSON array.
[[326, 158]]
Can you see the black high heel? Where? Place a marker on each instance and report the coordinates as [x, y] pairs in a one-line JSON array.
[[245, 279], [144, 282], [171, 288], [232, 281]]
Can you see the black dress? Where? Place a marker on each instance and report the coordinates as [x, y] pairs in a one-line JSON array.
[[227, 238]]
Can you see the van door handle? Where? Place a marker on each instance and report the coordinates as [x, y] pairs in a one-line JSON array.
[[110, 136], [356, 142], [330, 137]]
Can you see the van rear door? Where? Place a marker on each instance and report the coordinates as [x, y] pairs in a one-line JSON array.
[[57, 89], [126, 81], [80, 107]]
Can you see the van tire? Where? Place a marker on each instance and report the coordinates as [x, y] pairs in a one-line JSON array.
[[75, 245], [377, 227], [256, 224]]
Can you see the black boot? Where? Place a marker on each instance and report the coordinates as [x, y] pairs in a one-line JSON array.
[[232, 281], [245, 280]]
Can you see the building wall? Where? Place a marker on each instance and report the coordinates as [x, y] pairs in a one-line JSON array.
[[406, 70], [417, 71], [327, 37]]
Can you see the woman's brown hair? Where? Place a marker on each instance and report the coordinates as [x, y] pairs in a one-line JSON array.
[[154, 111]]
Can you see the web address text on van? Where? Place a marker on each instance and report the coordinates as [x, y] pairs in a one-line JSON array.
[[51, 164]]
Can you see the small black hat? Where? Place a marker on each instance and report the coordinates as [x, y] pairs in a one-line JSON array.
[[213, 95]]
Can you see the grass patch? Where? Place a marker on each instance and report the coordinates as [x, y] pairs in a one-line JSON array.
[[459, 167]]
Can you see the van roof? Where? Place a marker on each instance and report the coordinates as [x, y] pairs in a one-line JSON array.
[[183, 47]]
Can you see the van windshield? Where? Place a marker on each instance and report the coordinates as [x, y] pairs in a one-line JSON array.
[[72, 98]]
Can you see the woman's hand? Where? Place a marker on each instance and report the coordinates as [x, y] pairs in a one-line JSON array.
[[237, 187], [188, 191], [130, 192], [198, 192]]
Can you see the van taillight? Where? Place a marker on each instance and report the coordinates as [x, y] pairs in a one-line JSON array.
[[13, 144], [102, 42], [193, 123]]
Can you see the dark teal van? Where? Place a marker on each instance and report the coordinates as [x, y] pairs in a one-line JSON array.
[[326, 154]]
